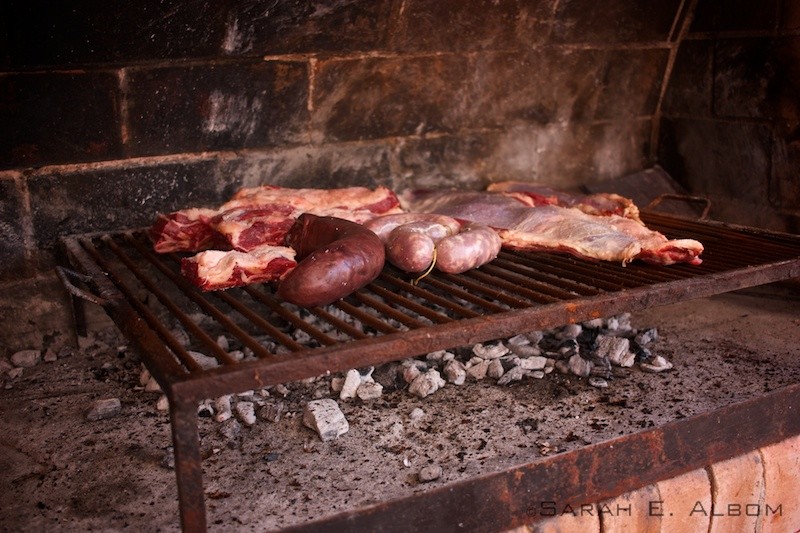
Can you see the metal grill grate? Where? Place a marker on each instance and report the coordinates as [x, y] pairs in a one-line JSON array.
[[390, 319]]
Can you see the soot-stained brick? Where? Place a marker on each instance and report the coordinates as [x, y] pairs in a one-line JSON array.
[[271, 28], [12, 245], [615, 21], [217, 107], [384, 97], [433, 25], [64, 117], [108, 199], [735, 15], [44, 33]]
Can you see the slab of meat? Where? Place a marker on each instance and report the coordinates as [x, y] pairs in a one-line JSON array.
[[592, 204], [558, 229], [263, 215], [218, 269], [186, 230]]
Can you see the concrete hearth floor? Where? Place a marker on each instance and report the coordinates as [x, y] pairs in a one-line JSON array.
[[62, 472]]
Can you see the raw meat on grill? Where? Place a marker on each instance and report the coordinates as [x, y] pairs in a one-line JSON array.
[[263, 215], [557, 229], [592, 204], [218, 269], [186, 230]]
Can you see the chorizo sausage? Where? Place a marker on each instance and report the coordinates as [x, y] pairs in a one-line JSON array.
[[336, 257], [411, 247], [384, 225], [473, 246]]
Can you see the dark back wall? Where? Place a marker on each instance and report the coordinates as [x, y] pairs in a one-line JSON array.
[[112, 113]]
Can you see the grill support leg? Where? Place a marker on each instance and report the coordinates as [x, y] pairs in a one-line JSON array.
[[188, 468]]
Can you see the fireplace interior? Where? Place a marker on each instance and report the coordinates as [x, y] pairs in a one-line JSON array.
[[113, 116]]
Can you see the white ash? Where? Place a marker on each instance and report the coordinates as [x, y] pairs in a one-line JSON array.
[[515, 374], [369, 390], [495, 369], [658, 364], [104, 408], [163, 403], [351, 382], [246, 412], [325, 417], [477, 368], [430, 473], [426, 384], [492, 351], [272, 411], [26, 358], [222, 406], [205, 361], [455, 372]]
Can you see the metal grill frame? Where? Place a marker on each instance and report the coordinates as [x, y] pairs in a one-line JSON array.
[[516, 293]]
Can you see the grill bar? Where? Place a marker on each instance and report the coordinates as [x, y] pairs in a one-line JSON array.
[[392, 318]]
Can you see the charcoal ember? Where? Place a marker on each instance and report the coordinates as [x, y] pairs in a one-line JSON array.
[[181, 336], [641, 353], [439, 357], [595, 323], [455, 372], [598, 382], [272, 411], [104, 408], [223, 407], [246, 413], [205, 409], [427, 383], [352, 380], [570, 331], [579, 366], [525, 350], [562, 366], [657, 364], [411, 369], [518, 340], [495, 369], [388, 376], [222, 342], [163, 403], [619, 324], [477, 368], [601, 367], [430, 473], [492, 351], [615, 349], [568, 348], [588, 336], [515, 374], [326, 418], [204, 360], [533, 363], [26, 358], [647, 336], [230, 430], [168, 459], [369, 390], [534, 336]]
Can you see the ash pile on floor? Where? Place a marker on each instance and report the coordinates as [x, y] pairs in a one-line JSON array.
[[599, 351]]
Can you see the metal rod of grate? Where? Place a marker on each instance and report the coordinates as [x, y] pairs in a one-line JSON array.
[[392, 318]]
